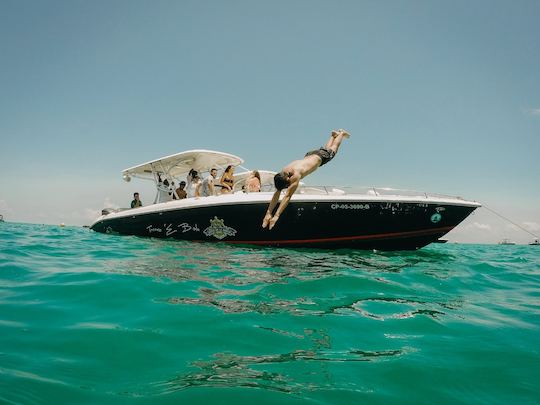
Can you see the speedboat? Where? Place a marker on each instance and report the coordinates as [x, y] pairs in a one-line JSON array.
[[317, 216], [535, 242], [507, 242]]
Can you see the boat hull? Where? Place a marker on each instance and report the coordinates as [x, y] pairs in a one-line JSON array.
[[353, 224]]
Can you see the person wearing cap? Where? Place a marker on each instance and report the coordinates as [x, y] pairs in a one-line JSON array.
[[180, 192]]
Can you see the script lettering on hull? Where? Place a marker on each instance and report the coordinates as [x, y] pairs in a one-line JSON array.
[[171, 229]]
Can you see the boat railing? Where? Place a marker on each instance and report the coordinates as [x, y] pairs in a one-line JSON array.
[[368, 191]]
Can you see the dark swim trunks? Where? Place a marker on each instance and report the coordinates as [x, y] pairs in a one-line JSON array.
[[326, 155]]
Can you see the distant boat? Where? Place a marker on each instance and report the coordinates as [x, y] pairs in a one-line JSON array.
[[506, 242], [535, 242], [1, 218], [441, 241]]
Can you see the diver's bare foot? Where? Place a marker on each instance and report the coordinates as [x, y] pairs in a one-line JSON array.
[[272, 222], [266, 220], [335, 133], [344, 133]]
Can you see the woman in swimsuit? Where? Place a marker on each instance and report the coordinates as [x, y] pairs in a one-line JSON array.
[[253, 182], [227, 180]]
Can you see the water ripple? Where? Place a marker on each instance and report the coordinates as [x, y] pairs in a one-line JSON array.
[[231, 370], [94, 318]]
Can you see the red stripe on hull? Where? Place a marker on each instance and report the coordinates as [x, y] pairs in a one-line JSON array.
[[393, 235]]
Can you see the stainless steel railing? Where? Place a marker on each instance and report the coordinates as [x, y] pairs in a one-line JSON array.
[[368, 191]]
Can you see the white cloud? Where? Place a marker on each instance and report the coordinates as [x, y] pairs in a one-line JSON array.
[[533, 111], [5, 208], [108, 203], [531, 226], [477, 225], [90, 214]]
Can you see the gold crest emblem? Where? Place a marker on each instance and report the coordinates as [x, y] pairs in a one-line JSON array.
[[218, 229]]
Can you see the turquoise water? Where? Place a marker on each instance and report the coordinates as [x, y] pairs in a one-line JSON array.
[[94, 318]]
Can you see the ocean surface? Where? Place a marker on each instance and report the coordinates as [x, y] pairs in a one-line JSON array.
[[94, 318]]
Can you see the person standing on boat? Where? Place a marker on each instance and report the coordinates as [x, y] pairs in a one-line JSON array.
[[208, 184], [290, 175], [193, 186], [136, 201], [163, 190]]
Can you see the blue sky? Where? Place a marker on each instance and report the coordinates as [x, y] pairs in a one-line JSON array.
[[438, 96]]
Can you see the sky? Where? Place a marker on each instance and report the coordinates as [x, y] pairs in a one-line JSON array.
[[438, 96]]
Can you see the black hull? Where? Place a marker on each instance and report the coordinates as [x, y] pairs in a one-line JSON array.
[[352, 225]]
